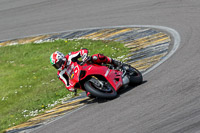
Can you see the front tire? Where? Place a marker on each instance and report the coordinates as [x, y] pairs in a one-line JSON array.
[[95, 91], [136, 77]]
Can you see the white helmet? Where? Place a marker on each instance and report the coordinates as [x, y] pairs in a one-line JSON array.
[[58, 60]]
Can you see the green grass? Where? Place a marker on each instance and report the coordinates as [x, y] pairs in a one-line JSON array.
[[28, 82]]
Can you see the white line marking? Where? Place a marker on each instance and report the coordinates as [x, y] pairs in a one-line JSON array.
[[57, 119]]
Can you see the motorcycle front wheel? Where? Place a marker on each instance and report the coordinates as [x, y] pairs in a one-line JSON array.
[[136, 77], [101, 89]]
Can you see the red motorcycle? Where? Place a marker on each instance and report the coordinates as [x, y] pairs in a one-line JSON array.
[[102, 80]]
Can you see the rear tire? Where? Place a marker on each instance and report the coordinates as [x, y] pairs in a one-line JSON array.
[[98, 93]]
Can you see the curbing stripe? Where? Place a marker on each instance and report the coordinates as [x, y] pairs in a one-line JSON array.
[[144, 64], [55, 112], [104, 37]]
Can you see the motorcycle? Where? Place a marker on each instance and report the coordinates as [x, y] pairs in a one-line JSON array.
[[103, 81]]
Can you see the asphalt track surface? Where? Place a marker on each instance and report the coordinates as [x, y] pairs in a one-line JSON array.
[[168, 102]]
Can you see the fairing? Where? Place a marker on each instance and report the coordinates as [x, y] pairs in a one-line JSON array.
[[114, 77]]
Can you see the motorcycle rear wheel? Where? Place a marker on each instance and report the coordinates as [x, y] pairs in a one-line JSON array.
[[95, 91]]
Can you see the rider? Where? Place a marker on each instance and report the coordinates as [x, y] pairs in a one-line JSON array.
[[61, 62]]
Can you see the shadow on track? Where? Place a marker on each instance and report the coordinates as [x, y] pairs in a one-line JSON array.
[[127, 89], [120, 92]]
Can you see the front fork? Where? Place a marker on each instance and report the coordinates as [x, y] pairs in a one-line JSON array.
[[125, 78]]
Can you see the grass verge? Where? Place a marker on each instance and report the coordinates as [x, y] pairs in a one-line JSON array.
[[28, 82]]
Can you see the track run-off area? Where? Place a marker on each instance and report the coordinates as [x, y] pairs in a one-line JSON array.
[[168, 102]]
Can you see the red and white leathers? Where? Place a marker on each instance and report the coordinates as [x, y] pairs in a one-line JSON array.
[[72, 57]]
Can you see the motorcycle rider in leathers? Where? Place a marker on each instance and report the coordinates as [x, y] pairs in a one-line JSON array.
[[61, 62]]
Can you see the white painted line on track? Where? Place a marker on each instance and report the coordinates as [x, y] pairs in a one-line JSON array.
[[177, 40], [67, 114]]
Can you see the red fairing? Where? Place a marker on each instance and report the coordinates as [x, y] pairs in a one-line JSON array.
[[115, 79], [112, 76]]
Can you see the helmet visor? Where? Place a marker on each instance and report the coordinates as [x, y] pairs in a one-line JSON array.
[[58, 64]]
